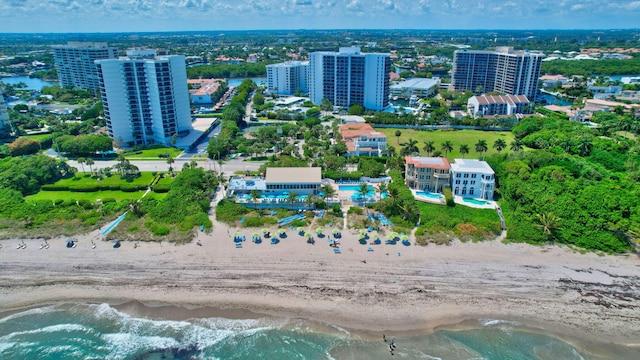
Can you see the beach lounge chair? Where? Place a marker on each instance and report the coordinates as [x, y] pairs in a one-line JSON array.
[[238, 245], [337, 251], [369, 248]]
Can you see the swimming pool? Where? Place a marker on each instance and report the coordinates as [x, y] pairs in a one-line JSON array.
[[354, 188], [429, 195], [475, 201]]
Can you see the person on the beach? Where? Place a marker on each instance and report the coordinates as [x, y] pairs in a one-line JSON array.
[[384, 338]]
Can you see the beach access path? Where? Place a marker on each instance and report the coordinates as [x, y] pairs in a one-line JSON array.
[[392, 289]]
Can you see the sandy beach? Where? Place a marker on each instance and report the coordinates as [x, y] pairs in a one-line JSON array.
[[394, 289]]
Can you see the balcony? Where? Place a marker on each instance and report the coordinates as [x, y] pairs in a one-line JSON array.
[[441, 176]]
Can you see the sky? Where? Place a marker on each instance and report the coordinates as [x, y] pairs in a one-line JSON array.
[[185, 15]]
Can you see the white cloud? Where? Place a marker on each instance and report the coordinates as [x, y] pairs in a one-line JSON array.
[[223, 14]]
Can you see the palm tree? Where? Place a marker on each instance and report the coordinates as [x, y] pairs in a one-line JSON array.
[[291, 198], [81, 161], [481, 146], [410, 148], [549, 223], [394, 194], [382, 188], [429, 147], [499, 145], [255, 195], [170, 161], [464, 149], [446, 147], [328, 191], [584, 146], [90, 162], [398, 133], [516, 145]]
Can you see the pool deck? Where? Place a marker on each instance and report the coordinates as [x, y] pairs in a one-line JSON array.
[[489, 205], [429, 200]]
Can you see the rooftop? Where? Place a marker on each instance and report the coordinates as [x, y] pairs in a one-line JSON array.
[[295, 175], [359, 129], [428, 162], [417, 83], [470, 165], [501, 99]]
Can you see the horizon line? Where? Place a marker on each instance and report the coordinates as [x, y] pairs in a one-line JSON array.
[[319, 29]]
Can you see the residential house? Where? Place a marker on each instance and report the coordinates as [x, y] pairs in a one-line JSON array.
[[472, 178], [362, 140], [485, 105], [427, 173]]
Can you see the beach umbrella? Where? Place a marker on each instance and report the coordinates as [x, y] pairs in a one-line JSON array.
[[319, 231], [336, 231], [300, 230], [281, 231], [264, 231], [404, 237], [363, 231], [308, 235], [255, 235], [376, 236]]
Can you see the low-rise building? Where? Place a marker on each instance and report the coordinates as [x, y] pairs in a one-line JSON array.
[[485, 105], [419, 87], [472, 178], [362, 140], [551, 81], [202, 94], [427, 173]]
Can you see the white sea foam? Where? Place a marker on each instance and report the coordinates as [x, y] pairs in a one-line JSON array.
[[36, 311], [4, 346], [49, 329], [125, 345], [491, 322]]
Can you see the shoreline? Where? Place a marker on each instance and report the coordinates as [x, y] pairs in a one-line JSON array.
[[593, 347], [396, 290]]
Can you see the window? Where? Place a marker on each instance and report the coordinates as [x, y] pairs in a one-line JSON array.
[[471, 191]]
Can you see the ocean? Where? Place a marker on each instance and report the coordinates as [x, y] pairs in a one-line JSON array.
[[100, 331]]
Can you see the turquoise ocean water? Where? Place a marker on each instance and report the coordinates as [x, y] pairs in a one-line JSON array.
[[99, 331]]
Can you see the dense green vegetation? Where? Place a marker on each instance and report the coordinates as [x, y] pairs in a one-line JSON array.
[[439, 224], [592, 67], [82, 145], [27, 174], [579, 188], [226, 70], [400, 207]]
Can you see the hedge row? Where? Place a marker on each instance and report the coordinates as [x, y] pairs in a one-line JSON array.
[[94, 188], [341, 175]]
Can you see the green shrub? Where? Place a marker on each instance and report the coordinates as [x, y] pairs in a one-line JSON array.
[[228, 211], [57, 202], [355, 210], [448, 196], [157, 229], [161, 188], [53, 187], [252, 221], [130, 188], [108, 200], [132, 228]]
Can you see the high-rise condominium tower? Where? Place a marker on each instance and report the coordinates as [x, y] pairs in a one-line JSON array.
[[288, 77], [349, 77], [504, 70], [75, 63], [145, 97]]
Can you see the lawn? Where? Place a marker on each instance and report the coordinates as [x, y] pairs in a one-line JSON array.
[[152, 154], [38, 136], [83, 180], [457, 138], [91, 196]]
